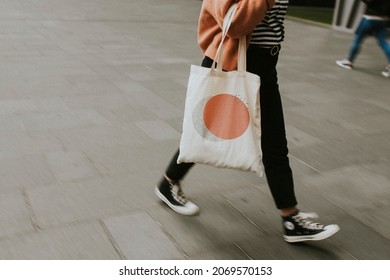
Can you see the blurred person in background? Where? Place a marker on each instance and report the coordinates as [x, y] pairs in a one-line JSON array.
[[373, 22], [262, 21]]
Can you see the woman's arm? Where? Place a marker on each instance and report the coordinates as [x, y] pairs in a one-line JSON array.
[[249, 13]]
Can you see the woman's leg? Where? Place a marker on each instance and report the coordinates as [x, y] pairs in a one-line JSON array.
[[297, 225], [176, 171], [169, 188], [260, 61], [381, 35], [361, 33]]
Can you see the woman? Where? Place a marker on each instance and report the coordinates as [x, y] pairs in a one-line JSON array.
[[262, 22]]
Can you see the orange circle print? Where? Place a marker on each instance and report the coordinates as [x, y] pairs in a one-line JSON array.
[[226, 116]]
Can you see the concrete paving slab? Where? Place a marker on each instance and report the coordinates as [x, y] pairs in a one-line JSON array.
[[131, 158], [140, 237], [381, 167], [98, 137], [205, 179], [110, 101], [275, 249], [14, 214], [10, 126], [49, 121], [258, 208], [299, 138], [8, 107], [367, 245], [218, 224], [170, 90], [29, 171], [383, 101], [233, 252], [110, 73], [89, 199], [68, 166], [349, 188], [358, 239], [147, 99], [337, 111], [74, 242], [158, 130], [17, 146]]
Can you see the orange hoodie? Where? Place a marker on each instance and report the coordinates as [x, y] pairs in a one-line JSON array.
[[249, 13]]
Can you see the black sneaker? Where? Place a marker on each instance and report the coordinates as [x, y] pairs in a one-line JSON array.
[[172, 195], [298, 227]]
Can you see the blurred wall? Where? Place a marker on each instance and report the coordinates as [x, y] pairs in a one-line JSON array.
[[314, 3], [347, 14]]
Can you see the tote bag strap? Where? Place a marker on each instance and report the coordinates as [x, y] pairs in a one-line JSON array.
[[227, 21], [242, 43], [242, 54]]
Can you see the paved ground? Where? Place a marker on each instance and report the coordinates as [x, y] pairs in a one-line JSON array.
[[91, 102]]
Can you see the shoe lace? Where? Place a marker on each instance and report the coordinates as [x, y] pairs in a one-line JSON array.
[[303, 219], [178, 193]]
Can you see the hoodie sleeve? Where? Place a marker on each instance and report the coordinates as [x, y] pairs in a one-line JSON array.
[[249, 13]]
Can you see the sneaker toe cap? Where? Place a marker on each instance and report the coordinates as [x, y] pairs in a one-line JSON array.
[[190, 209], [332, 228]]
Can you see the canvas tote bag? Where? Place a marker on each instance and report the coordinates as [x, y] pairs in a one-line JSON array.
[[221, 125]]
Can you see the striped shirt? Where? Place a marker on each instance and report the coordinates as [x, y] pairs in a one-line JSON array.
[[270, 31]]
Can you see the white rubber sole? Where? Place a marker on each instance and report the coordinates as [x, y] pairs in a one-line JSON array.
[[190, 209], [341, 64], [385, 74], [328, 232]]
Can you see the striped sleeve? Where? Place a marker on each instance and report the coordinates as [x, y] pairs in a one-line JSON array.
[[270, 31]]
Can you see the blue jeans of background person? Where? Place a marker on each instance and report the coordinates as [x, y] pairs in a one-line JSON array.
[[262, 62], [366, 28]]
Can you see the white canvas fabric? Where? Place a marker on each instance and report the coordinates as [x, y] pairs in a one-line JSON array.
[[221, 125]]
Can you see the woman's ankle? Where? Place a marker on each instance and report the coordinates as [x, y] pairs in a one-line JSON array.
[[285, 212]]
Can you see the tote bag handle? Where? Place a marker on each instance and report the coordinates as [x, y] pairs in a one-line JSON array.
[[241, 47]]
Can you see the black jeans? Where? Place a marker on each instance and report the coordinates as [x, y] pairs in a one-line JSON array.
[[262, 62]]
